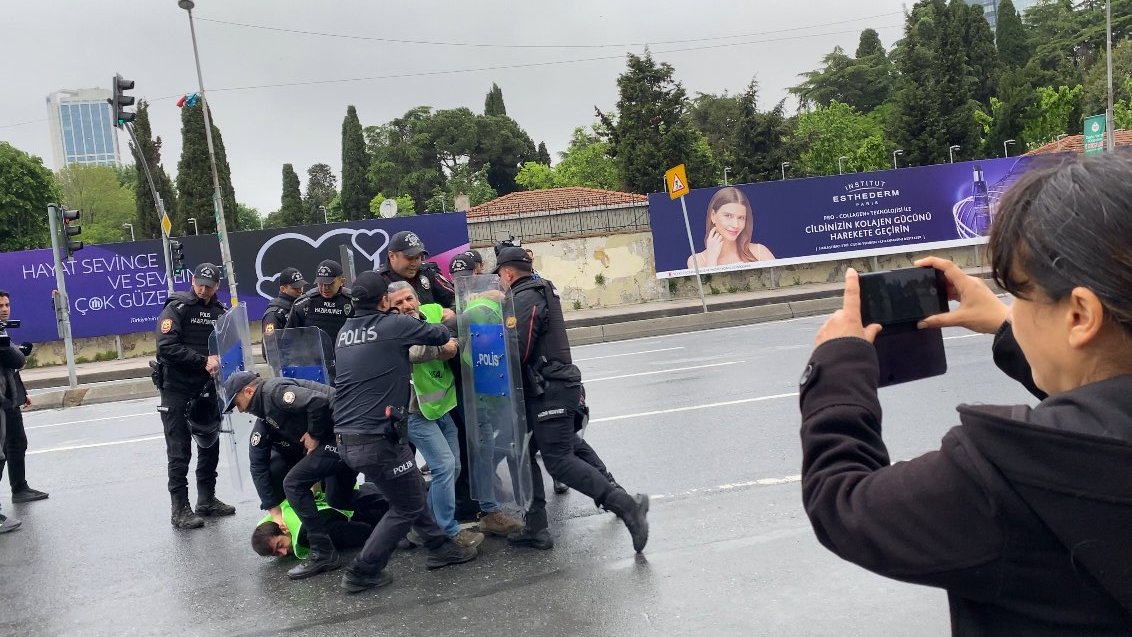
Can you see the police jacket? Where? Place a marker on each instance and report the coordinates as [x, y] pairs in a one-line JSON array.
[[1022, 516], [552, 384], [12, 391], [277, 312], [374, 370], [286, 409], [182, 341], [431, 286], [312, 310]]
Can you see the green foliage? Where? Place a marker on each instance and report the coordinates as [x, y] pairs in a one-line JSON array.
[[863, 82], [291, 212], [836, 131], [404, 156], [503, 146], [26, 187], [1009, 111], [321, 190], [586, 162], [536, 176], [248, 218], [761, 142], [982, 66], [1053, 114], [105, 203], [405, 205], [543, 155], [462, 181], [356, 188], [493, 103], [147, 218], [1094, 96], [717, 117], [194, 176], [1010, 37], [1122, 111]]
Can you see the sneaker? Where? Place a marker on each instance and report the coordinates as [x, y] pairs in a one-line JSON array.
[[28, 494], [448, 554], [499, 524], [356, 582], [7, 524], [539, 539], [468, 538], [212, 506]]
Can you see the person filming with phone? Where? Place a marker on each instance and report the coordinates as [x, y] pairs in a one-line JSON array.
[[1023, 515]]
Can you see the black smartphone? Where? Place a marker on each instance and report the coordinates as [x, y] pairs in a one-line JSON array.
[[898, 299]]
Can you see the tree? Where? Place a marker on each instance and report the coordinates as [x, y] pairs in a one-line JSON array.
[[1094, 96], [291, 211], [105, 203], [26, 187], [194, 176], [493, 103], [543, 155], [761, 141], [537, 176], [405, 205], [864, 82], [1122, 111], [1055, 111], [503, 146], [982, 67], [1007, 119], [464, 180], [321, 190], [356, 188], [404, 157], [836, 131], [717, 116], [586, 162], [248, 217], [147, 219], [1010, 37]]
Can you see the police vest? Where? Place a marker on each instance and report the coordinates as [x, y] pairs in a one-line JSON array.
[[329, 315], [291, 519], [433, 380]]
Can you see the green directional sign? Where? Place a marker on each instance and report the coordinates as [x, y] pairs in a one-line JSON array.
[[1094, 134]]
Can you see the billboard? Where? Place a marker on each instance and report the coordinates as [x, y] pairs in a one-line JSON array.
[[828, 218], [120, 288]]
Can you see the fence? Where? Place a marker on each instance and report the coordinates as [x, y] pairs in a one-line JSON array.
[[579, 221]]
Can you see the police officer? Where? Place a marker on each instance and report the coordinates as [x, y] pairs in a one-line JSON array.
[[297, 414], [552, 387], [405, 262], [476, 259], [291, 286], [185, 371], [372, 393], [326, 307], [461, 265]]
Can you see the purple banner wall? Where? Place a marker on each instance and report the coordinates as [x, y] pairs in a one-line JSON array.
[[120, 288], [828, 218]]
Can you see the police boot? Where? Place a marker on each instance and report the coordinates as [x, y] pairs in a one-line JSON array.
[[450, 553], [633, 511], [323, 557], [356, 580], [183, 516], [207, 505], [536, 539]]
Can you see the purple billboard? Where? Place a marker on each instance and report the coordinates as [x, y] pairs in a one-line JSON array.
[[827, 218], [120, 288]]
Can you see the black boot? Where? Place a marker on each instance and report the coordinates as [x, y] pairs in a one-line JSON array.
[[323, 557], [355, 580], [536, 539], [633, 511], [207, 505], [183, 516], [450, 553]]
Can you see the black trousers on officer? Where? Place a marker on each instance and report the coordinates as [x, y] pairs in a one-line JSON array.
[[389, 465], [338, 484], [569, 460], [15, 448], [179, 447]]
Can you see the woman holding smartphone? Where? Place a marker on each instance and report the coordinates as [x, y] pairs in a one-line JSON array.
[[730, 224], [1024, 514]]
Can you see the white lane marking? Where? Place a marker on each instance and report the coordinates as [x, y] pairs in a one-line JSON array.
[[96, 444], [674, 410], [764, 482], [79, 422], [664, 371], [952, 338], [647, 351]]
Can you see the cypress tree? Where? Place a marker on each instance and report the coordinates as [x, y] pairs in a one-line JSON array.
[[543, 154], [291, 204], [147, 225], [356, 188], [194, 176], [1013, 45], [493, 103]]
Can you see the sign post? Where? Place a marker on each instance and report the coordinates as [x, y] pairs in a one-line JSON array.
[[1095, 128], [676, 182]]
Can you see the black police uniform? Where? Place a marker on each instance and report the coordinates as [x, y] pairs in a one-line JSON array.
[[431, 286], [182, 353], [313, 310], [373, 374]]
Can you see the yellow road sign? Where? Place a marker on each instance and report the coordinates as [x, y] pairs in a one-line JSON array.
[[166, 225], [677, 181]]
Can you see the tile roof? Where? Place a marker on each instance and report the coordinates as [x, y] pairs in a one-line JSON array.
[[1076, 143], [551, 199]]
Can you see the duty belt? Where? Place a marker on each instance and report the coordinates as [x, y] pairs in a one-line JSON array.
[[358, 439]]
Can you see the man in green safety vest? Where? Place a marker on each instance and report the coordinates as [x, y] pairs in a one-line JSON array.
[[347, 529]]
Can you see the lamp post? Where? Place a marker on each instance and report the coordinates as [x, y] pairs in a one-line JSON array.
[[1108, 113], [784, 165], [725, 171], [1006, 147], [218, 202], [131, 227], [951, 152], [840, 169], [322, 209], [895, 154], [196, 229]]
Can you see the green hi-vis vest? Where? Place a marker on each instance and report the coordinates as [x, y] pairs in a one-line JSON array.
[[433, 380], [291, 519]]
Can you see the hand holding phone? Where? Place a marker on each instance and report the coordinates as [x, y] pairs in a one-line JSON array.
[[899, 300]]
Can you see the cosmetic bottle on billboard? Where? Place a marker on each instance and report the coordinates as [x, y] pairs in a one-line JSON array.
[[980, 203]]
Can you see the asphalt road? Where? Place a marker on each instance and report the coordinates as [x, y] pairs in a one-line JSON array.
[[706, 422]]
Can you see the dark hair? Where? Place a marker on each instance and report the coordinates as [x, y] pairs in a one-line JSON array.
[[721, 198], [261, 538], [5, 294], [1069, 226]]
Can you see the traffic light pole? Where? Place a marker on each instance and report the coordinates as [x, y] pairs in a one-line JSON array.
[[157, 202], [55, 222]]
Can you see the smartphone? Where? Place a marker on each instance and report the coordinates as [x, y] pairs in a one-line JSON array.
[[898, 299]]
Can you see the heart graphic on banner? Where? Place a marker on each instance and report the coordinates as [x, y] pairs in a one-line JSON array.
[[370, 243]]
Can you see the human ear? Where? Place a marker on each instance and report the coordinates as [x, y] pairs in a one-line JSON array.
[[1084, 317]]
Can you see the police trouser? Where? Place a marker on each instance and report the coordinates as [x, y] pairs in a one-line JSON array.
[[466, 507], [15, 447], [179, 445], [560, 448], [278, 469], [389, 465], [322, 464]]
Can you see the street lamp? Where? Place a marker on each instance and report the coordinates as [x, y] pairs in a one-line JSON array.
[[193, 220], [1006, 147], [895, 153], [951, 152], [322, 209], [218, 202], [784, 165], [725, 171], [840, 170], [131, 227]]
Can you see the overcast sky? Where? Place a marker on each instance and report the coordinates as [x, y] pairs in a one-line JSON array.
[[48, 45]]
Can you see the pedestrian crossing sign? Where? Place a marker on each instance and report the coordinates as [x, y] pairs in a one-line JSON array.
[[676, 180]]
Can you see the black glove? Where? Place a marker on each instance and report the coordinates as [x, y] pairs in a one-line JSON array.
[[25, 348]]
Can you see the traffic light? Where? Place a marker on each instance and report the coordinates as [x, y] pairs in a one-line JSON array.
[[121, 100], [71, 228], [177, 256]]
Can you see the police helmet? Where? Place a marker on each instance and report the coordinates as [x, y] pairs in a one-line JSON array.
[[203, 414]]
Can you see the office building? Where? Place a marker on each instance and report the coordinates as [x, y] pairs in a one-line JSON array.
[[81, 128], [990, 9]]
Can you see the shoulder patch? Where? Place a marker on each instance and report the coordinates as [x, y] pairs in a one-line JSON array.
[[256, 438], [511, 322], [425, 283], [166, 326], [288, 397], [269, 328]]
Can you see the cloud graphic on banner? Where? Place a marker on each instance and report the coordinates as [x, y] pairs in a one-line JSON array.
[[290, 248]]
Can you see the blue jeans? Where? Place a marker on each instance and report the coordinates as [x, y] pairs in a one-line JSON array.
[[437, 442]]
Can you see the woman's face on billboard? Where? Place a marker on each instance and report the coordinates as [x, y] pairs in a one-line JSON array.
[[729, 220]]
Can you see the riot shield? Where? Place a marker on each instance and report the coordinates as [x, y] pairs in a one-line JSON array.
[[299, 352], [231, 340], [494, 413]]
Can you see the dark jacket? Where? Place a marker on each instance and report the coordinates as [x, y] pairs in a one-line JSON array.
[[12, 390], [182, 341], [275, 317], [430, 285], [1023, 515], [286, 409], [312, 310], [552, 384]]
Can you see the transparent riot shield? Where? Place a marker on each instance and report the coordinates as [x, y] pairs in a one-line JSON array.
[[299, 352], [231, 340], [494, 413]]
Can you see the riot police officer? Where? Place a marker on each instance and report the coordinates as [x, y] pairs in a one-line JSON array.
[[372, 394], [476, 258], [404, 261], [184, 372], [326, 307], [294, 415], [552, 387], [291, 286]]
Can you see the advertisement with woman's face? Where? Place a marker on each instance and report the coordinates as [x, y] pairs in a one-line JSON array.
[[730, 226]]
